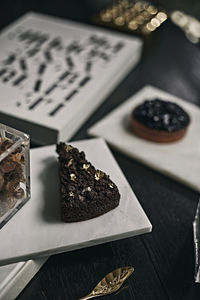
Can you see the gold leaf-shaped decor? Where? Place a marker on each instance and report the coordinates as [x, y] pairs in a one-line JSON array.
[[87, 189], [73, 177], [111, 185], [98, 175], [68, 148], [110, 283], [69, 162], [86, 167]]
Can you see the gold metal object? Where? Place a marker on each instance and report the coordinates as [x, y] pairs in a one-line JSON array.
[[155, 22], [188, 24], [110, 283], [120, 21], [140, 17], [106, 17], [161, 16], [152, 9], [150, 27]]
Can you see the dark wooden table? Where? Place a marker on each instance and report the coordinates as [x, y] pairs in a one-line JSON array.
[[163, 259]]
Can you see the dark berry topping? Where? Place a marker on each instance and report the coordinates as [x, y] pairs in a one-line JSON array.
[[161, 115]]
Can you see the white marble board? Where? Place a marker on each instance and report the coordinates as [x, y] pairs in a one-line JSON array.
[[36, 230], [179, 160], [54, 73], [14, 277]]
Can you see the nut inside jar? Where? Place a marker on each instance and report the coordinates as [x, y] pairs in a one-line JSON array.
[[11, 176]]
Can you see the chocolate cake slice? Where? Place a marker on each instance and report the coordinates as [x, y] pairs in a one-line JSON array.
[[86, 192]]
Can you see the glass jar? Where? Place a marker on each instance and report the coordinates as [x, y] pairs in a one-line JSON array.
[[14, 172]]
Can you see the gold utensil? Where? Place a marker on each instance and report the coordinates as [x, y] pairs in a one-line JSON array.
[[110, 283], [137, 16]]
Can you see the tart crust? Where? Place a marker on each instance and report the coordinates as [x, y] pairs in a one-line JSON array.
[[158, 136]]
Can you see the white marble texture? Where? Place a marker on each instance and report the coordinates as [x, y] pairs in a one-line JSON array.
[[36, 230], [179, 160], [14, 277]]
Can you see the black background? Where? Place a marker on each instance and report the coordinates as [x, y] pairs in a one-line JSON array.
[[163, 260]]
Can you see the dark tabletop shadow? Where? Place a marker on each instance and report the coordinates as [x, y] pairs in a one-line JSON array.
[[50, 182], [126, 123]]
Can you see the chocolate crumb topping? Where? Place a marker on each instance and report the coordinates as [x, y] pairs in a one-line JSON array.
[[161, 115]]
